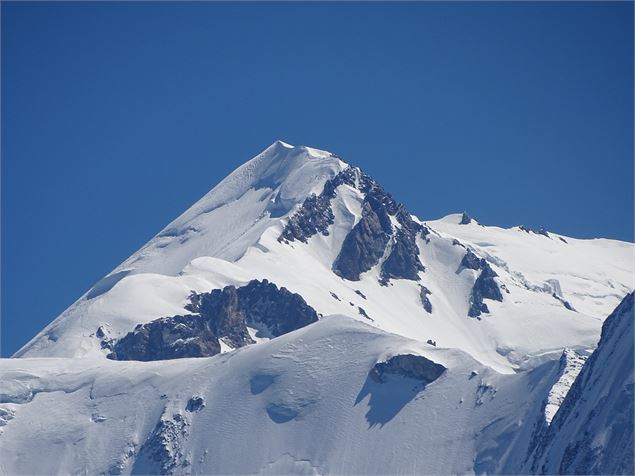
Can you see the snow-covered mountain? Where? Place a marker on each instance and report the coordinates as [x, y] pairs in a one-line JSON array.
[[593, 431], [336, 333]]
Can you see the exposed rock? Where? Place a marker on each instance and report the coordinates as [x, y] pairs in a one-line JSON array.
[[316, 215], [403, 261], [219, 314], [425, 231], [168, 338], [432, 342], [485, 287], [592, 431], [409, 366], [539, 231], [223, 313], [195, 404], [471, 261], [277, 308], [465, 219], [162, 452], [6, 415], [366, 242], [335, 296], [363, 313], [106, 342], [424, 293], [564, 302], [359, 293]]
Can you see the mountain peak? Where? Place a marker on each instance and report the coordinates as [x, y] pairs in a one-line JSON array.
[[249, 200], [282, 149]]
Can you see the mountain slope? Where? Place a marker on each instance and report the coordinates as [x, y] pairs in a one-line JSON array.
[[592, 432], [554, 291], [300, 403], [335, 332]]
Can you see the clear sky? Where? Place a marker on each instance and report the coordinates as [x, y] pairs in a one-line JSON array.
[[117, 116]]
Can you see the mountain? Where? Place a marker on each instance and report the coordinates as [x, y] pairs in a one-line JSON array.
[[298, 319], [592, 433]]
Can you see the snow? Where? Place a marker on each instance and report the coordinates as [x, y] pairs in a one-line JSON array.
[[302, 402], [592, 432], [570, 366], [236, 240]]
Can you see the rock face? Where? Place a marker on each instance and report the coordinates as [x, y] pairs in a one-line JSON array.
[[162, 452], [195, 404], [369, 239], [374, 233], [365, 244], [403, 261], [592, 431], [409, 366], [315, 215], [167, 338], [465, 219], [219, 314], [485, 287], [427, 305], [471, 261], [539, 231]]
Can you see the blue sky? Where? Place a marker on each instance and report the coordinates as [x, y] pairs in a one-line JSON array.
[[117, 116]]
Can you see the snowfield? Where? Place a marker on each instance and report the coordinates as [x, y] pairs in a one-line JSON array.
[[300, 403], [304, 402]]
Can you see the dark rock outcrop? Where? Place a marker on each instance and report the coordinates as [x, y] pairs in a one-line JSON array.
[[539, 231], [407, 365], [403, 261], [366, 242], [425, 231], [224, 313], [316, 215], [427, 305], [280, 310], [219, 314], [359, 293], [485, 287], [195, 404], [167, 338], [465, 219], [363, 313], [471, 261]]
